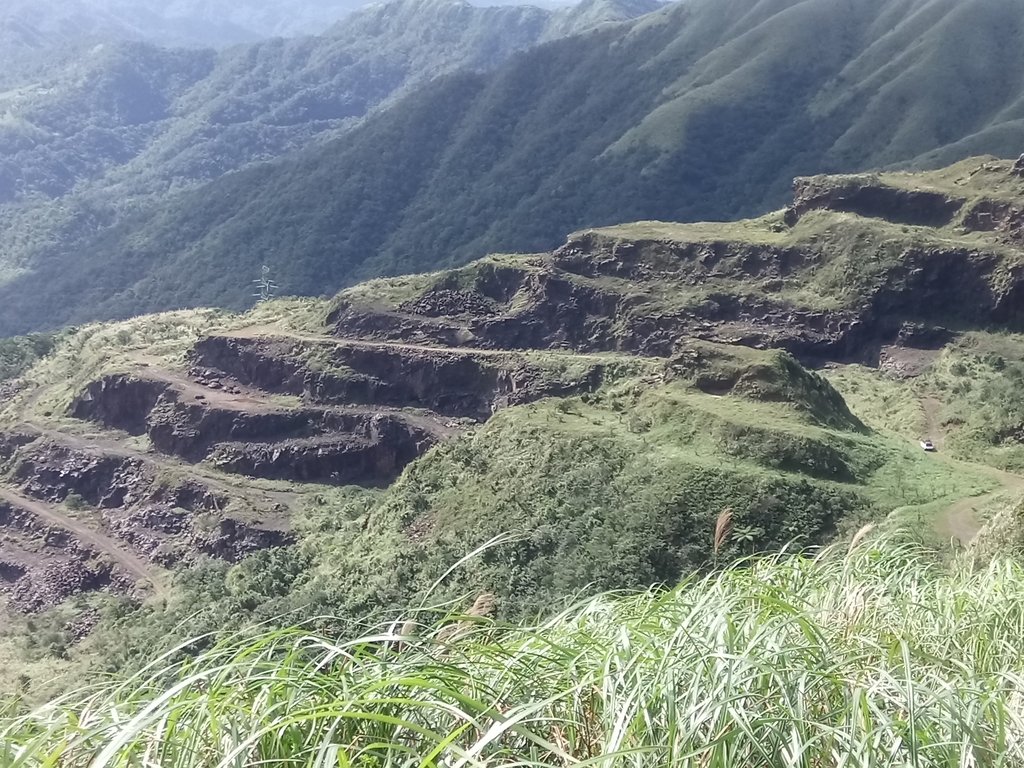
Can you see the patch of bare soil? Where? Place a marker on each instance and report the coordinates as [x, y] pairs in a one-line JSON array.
[[906, 362], [94, 539], [47, 557]]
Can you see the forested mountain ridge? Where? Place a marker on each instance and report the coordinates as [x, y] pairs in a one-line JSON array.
[[703, 110], [137, 119]]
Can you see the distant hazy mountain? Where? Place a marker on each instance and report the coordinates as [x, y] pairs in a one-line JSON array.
[[137, 119], [33, 24], [35, 34], [118, 128], [30, 26]]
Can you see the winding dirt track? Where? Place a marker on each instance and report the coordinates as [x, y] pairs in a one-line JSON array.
[[251, 400], [113, 447], [959, 520], [272, 331], [102, 543]]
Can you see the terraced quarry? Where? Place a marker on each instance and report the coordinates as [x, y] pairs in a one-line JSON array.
[[163, 457], [583, 415]]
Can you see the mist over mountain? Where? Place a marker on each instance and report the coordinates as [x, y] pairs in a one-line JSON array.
[[38, 24], [137, 119]]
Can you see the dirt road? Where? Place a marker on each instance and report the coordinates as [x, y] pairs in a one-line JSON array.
[[960, 520], [96, 540], [249, 401], [933, 430], [271, 331]]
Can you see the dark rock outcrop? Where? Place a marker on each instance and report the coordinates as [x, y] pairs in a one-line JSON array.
[[593, 254], [41, 566], [867, 196], [53, 471], [161, 517], [346, 459], [1000, 216], [453, 383], [121, 401]]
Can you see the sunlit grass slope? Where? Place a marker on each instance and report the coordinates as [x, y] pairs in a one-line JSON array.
[[878, 657]]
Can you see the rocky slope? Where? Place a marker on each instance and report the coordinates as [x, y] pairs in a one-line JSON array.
[[167, 477], [134, 448], [853, 264]]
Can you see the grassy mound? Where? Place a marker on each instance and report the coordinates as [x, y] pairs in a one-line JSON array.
[[870, 657], [767, 376]]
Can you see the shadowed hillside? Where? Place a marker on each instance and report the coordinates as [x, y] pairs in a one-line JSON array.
[[705, 110]]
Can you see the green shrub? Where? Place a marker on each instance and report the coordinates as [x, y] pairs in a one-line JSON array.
[[18, 353], [75, 502]]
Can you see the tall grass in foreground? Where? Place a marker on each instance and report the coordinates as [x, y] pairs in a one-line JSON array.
[[874, 658]]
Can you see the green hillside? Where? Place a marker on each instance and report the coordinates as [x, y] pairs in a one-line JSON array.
[[105, 134], [705, 110], [531, 469], [616, 489], [537, 427], [587, 452]]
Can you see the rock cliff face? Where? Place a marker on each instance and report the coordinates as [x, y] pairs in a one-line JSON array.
[[870, 197], [460, 383], [586, 297], [158, 510], [833, 277], [42, 564]]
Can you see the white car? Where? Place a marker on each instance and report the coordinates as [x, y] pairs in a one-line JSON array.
[[928, 445]]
